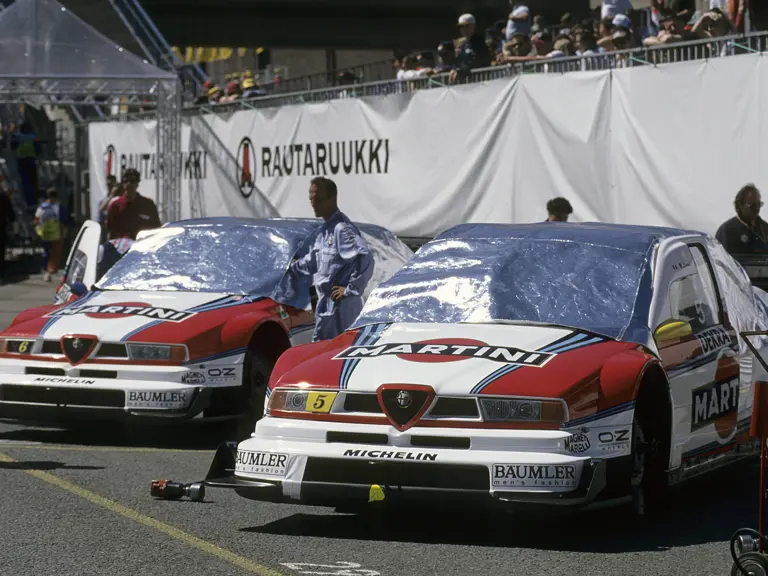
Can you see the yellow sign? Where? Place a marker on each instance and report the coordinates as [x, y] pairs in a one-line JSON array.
[[206, 54], [376, 494], [23, 347], [320, 402]]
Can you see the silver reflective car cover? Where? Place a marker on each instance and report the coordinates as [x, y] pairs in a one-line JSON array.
[[594, 277]]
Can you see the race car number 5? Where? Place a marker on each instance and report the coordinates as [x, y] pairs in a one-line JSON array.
[[337, 569], [320, 402]]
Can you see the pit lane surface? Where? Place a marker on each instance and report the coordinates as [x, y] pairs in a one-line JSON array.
[[79, 503]]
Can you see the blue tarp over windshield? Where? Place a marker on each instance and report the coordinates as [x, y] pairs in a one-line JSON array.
[[235, 256], [593, 277]]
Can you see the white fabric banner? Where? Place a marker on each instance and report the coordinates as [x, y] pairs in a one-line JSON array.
[[667, 145]]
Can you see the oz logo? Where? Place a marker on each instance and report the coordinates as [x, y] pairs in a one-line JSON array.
[[246, 167], [110, 161]]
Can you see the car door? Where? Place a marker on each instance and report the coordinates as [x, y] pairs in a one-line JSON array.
[[700, 355], [81, 262]]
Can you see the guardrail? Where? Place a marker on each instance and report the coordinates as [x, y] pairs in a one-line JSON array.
[[652, 56]]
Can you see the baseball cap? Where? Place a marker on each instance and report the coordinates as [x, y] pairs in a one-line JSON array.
[[622, 21], [466, 19]]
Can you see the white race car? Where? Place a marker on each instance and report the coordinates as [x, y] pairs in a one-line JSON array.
[[545, 364], [188, 324]]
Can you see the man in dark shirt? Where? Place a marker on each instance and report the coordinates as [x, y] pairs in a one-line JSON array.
[[746, 233], [473, 53], [131, 213]]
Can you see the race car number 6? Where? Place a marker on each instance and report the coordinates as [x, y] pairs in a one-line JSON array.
[[339, 569]]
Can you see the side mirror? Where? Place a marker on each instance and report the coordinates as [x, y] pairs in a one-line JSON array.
[[78, 289], [671, 330]]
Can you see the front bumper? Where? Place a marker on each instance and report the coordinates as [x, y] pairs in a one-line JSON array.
[[53, 392], [529, 472]]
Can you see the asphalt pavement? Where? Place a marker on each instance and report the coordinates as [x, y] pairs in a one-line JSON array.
[[78, 503]]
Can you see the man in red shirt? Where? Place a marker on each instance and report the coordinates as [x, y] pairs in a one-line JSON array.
[[131, 213]]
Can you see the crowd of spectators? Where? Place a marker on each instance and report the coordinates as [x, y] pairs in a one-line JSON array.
[[238, 86], [524, 37]]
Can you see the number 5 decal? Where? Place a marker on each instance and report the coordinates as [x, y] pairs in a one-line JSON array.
[[320, 402]]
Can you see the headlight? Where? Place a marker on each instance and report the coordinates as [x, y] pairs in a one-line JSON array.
[[157, 353], [293, 400], [523, 410]]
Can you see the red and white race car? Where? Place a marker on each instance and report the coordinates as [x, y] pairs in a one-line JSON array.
[[520, 365], [186, 325]]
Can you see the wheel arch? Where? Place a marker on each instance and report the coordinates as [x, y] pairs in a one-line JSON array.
[[270, 340]]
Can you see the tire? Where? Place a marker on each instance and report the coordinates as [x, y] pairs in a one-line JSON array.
[[648, 476], [752, 563], [256, 372]]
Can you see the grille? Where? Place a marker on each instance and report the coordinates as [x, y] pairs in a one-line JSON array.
[[98, 373], [455, 408], [45, 371], [51, 347], [440, 442], [62, 396], [110, 350], [357, 438], [368, 403], [405, 474]]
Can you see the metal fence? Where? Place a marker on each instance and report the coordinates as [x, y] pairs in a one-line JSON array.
[[652, 56]]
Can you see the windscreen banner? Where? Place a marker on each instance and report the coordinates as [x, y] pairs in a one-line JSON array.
[[667, 145]]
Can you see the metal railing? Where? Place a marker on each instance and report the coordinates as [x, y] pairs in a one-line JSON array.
[[647, 56]]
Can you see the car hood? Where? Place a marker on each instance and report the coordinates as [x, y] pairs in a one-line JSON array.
[[455, 359], [117, 316]]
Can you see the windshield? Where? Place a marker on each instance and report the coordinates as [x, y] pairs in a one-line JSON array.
[[232, 259], [511, 279]]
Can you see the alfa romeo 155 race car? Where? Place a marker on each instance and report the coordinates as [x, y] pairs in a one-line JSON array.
[[518, 365], [188, 324]]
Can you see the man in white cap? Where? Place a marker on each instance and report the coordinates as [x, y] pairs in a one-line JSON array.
[[473, 53]]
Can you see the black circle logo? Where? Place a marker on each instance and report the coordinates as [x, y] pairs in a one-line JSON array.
[[246, 167]]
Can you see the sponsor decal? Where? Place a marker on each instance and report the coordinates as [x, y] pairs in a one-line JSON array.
[[151, 399], [320, 158], [426, 352], [193, 165], [193, 378], [124, 309], [224, 374], [268, 463], [713, 339], [390, 455], [535, 475], [577, 443], [614, 440], [714, 403], [246, 167], [63, 380]]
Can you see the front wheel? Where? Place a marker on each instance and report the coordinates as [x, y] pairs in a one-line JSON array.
[[256, 374], [648, 479]]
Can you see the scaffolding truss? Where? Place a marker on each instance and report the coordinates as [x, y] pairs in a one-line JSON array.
[[49, 56]]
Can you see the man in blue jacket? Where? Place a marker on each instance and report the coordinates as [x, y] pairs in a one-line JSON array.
[[339, 260]]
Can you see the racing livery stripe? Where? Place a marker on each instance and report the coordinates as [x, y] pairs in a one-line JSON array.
[[217, 356], [78, 302], [565, 343], [140, 329], [602, 414], [698, 361], [742, 426], [300, 329], [367, 336]]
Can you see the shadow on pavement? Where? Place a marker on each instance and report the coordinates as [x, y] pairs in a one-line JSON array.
[[44, 465], [22, 268], [709, 509], [194, 437]]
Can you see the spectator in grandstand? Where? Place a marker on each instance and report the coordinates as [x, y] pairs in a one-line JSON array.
[[214, 95], [519, 21], [745, 233], [49, 226], [673, 30], [586, 43], [446, 56], [131, 213], [518, 50], [565, 45], [543, 43], [712, 24], [250, 88], [7, 217], [566, 24], [494, 41], [472, 53], [339, 260], [605, 35], [233, 92], [558, 210], [610, 8], [738, 11]]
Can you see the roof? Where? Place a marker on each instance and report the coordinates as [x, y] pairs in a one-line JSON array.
[[43, 39], [621, 236], [282, 223]]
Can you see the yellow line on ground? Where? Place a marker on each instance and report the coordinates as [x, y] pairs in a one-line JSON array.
[[167, 529], [8, 446]]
